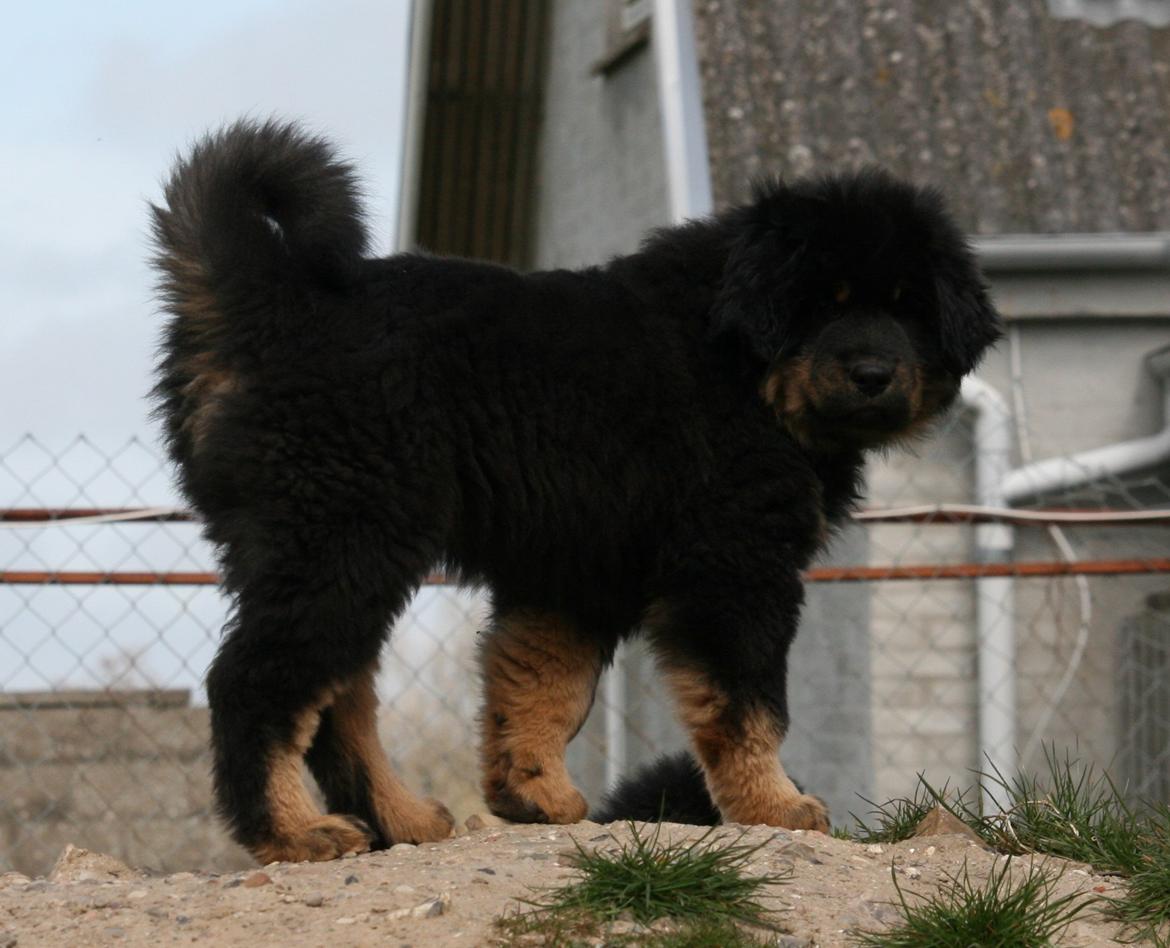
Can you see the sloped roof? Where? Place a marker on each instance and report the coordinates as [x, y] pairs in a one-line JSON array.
[[1028, 123]]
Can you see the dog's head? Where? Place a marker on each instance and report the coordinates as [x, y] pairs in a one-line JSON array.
[[862, 300]]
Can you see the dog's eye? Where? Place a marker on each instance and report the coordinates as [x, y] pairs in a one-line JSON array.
[[841, 292]]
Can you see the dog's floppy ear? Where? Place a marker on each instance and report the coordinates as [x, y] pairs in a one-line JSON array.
[[968, 321], [752, 303]]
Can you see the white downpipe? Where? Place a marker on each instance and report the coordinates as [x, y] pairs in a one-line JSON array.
[[995, 595], [998, 485], [413, 122], [1076, 470], [615, 719], [680, 96], [688, 174]]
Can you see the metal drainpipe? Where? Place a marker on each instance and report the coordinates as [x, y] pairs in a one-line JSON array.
[[998, 485], [688, 175], [1076, 470], [421, 12], [994, 595]]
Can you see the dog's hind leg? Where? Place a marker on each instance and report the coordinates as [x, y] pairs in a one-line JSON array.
[[539, 678], [350, 766], [308, 626]]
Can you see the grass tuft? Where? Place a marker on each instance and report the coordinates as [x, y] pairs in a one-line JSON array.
[[1070, 811], [1002, 912], [701, 885]]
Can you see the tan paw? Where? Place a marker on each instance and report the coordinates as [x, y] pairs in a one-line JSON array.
[[540, 799], [804, 812], [328, 837], [426, 820]]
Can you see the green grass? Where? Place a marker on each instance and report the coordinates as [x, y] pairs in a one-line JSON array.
[[1070, 811], [1003, 912], [702, 886]]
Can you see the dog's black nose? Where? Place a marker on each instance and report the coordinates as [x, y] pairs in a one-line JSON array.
[[871, 378]]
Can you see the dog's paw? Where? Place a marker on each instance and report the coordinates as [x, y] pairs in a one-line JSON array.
[[540, 799], [798, 812], [425, 820], [806, 812], [328, 837]]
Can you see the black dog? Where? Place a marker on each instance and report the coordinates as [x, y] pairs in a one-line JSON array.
[[657, 444]]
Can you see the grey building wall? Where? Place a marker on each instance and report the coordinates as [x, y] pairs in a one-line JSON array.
[[600, 180]]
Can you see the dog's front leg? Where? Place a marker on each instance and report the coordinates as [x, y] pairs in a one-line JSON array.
[[737, 738]]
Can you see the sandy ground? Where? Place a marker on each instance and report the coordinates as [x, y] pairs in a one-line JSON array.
[[449, 893]]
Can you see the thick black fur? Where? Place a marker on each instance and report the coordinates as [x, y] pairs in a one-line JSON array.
[[592, 444], [670, 790]]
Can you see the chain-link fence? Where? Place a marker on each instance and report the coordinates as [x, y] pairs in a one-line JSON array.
[[912, 657]]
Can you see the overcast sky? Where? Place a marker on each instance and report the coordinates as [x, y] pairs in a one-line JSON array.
[[96, 98], [95, 101]]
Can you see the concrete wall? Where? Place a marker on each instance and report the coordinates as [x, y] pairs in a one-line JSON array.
[[600, 179], [124, 773]]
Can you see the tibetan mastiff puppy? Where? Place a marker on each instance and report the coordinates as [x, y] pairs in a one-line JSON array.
[[657, 445]]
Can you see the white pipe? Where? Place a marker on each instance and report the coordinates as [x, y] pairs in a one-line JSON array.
[[1029, 253], [1114, 460], [994, 596], [616, 724], [414, 124], [680, 96]]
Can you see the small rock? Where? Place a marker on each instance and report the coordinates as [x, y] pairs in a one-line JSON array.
[[13, 878], [874, 850], [568, 857], [402, 848], [137, 894], [912, 872], [404, 889], [179, 877], [798, 850], [316, 900], [351, 879], [257, 879], [490, 872], [432, 908], [941, 821], [183, 919], [345, 920], [478, 821], [80, 865]]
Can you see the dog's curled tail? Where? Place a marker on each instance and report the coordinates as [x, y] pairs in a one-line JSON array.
[[671, 790], [256, 208]]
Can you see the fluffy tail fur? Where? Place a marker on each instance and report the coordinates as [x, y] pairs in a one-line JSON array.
[[257, 219], [671, 789]]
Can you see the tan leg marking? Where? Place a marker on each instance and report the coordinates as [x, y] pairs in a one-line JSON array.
[[740, 758], [405, 817], [539, 680], [299, 831]]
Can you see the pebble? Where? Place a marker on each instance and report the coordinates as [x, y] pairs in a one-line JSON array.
[[257, 879], [401, 848], [351, 879], [316, 900]]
